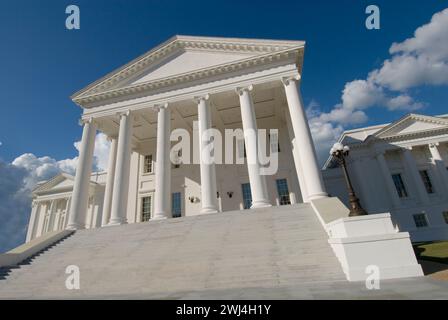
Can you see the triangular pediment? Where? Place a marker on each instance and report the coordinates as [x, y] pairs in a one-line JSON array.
[[58, 182], [184, 55], [186, 61], [412, 124]]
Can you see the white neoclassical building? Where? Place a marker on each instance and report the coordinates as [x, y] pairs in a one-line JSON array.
[[220, 83], [401, 168]]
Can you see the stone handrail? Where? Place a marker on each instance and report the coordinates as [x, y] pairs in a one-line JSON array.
[[26, 250]]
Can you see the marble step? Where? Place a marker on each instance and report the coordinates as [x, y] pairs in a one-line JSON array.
[[264, 247]]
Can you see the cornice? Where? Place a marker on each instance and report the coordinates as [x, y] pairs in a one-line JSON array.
[[188, 76], [412, 116], [188, 92], [413, 135], [179, 43]]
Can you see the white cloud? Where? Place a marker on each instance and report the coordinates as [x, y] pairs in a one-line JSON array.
[[323, 131], [431, 38], [14, 206], [324, 135], [101, 152], [403, 102], [420, 60], [403, 72], [361, 94], [20, 177]]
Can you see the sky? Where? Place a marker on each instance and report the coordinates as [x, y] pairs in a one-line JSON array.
[[352, 76]]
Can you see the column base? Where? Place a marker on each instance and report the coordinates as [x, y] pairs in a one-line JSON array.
[[74, 227], [209, 210], [159, 217], [115, 223], [260, 204], [317, 196]]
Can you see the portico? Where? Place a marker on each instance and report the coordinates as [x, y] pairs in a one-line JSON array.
[[221, 83]]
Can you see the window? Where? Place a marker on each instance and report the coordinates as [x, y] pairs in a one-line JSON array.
[[176, 205], [399, 185], [420, 220], [283, 192], [147, 164], [426, 181], [247, 196], [445, 216], [146, 208]]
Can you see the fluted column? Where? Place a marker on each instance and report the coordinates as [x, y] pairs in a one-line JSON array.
[[208, 171], [412, 169], [107, 204], [33, 221], [387, 176], [162, 194], [82, 178], [57, 216], [439, 164], [122, 170], [308, 160], [67, 212], [257, 181], [42, 218], [50, 221]]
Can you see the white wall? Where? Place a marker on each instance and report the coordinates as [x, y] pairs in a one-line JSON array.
[[369, 185]]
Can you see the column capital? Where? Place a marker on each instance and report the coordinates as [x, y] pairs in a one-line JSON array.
[[240, 90], [433, 144], [288, 80], [158, 107], [123, 113], [204, 97], [110, 138], [83, 121]]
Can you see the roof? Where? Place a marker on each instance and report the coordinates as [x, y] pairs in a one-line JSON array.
[[407, 127], [243, 50]]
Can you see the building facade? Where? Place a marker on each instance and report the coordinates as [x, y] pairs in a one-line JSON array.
[[192, 85], [399, 168]]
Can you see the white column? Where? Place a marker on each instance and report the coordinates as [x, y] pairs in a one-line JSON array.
[[308, 160], [67, 210], [82, 179], [33, 221], [208, 170], [412, 169], [296, 157], [57, 214], [438, 162], [257, 181], [107, 204], [392, 191], [49, 224], [42, 218], [162, 194], [122, 170]]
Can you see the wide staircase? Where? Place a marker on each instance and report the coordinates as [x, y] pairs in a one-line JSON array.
[[268, 247]]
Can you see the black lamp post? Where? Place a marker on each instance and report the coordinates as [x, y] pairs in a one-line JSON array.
[[340, 152]]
